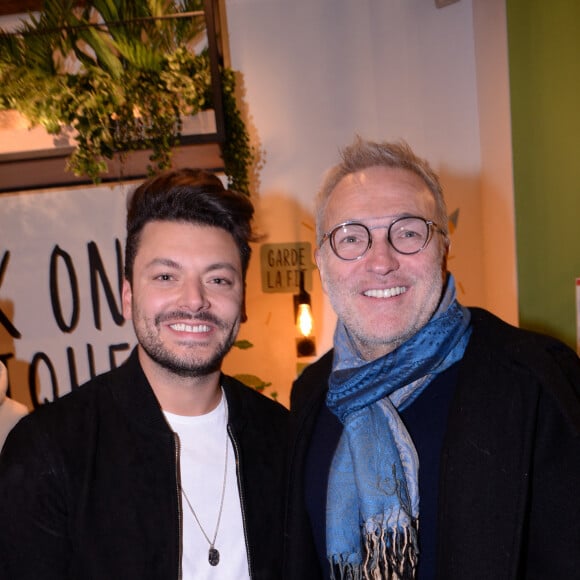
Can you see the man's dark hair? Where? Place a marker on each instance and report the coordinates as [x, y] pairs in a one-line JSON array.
[[193, 196]]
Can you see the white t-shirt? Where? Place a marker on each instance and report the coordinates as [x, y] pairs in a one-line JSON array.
[[203, 448]]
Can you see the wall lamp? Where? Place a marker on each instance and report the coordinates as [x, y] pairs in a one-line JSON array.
[[305, 344]]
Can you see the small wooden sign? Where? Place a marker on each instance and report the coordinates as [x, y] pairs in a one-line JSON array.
[[281, 265]]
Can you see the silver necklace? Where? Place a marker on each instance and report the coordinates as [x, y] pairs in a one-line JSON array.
[[213, 554]]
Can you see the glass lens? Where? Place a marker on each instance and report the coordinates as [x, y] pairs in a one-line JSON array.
[[409, 235], [350, 241]]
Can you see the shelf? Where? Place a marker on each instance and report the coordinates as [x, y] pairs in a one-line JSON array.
[[33, 159], [9, 7]]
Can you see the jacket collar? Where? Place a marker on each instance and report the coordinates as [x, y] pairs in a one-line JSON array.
[[132, 391]]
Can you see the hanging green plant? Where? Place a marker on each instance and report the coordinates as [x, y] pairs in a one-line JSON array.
[[123, 75]]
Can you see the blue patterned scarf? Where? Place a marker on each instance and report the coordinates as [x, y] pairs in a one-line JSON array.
[[373, 491]]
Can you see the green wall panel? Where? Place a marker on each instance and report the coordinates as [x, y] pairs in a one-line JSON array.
[[544, 60]]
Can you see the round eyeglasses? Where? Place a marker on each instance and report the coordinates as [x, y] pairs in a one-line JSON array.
[[407, 235]]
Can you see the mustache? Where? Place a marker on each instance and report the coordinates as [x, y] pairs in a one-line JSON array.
[[180, 315]]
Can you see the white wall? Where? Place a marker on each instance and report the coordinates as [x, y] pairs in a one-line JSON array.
[[318, 71]]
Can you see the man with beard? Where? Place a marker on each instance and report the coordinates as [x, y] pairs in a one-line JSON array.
[[164, 468], [434, 441]]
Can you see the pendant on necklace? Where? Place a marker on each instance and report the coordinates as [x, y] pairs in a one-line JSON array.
[[213, 556]]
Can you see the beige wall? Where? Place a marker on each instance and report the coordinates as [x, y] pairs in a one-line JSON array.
[[496, 179]]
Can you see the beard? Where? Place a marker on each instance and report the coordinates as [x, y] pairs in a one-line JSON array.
[[189, 365], [376, 336]]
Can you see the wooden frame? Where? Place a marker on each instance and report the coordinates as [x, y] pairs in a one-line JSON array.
[[19, 6], [42, 168]]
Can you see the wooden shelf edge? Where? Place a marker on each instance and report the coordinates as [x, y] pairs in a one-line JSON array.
[[50, 171]]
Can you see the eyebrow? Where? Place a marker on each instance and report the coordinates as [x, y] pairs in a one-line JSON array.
[[372, 219], [391, 218], [222, 266], [168, 262], [163, 262]]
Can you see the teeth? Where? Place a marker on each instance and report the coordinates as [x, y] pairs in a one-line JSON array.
[[181, 327], [386, 292]]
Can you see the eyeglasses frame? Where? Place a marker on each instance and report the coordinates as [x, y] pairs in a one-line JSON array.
[[431, 227]]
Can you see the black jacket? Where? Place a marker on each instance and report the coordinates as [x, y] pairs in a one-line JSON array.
[[509, 502], [88, 484]]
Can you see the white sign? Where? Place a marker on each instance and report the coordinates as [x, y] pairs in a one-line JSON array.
[[61, 270]]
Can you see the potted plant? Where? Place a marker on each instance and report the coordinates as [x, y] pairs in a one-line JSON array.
[[123, 75]]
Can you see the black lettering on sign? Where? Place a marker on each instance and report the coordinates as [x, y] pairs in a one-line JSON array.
[[97, 269], [286, 257], [56, 256], [113, 349], [4, 320], [72, 366], [37, 359]]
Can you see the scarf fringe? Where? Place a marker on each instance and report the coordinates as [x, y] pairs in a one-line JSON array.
[[389, 555]]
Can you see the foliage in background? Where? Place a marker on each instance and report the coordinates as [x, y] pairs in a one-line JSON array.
[[121, 87], [252, 380]]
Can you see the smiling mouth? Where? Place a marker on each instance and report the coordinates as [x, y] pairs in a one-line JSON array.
[[385, 292], [194, 328]]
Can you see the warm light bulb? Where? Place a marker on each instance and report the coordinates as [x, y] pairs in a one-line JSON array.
[[304, 319]]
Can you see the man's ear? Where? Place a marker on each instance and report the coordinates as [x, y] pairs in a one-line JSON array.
[[244, 312], [319, 265], [127, 299], [446, 248], [317, 258]]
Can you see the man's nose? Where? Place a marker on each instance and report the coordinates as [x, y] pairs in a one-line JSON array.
[[194, 296], [381, 257]]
